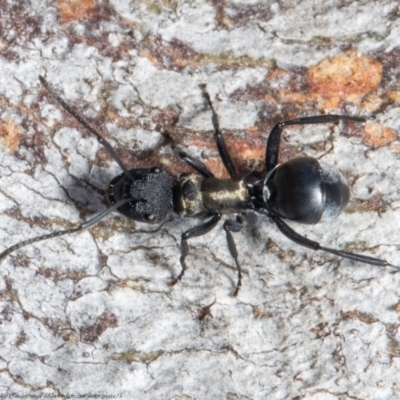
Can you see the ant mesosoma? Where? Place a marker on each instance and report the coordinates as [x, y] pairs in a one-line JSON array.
[[299, 189]]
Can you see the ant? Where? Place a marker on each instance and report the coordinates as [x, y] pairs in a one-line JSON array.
[[300, 190]]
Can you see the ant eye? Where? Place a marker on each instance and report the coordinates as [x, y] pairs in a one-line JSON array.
[[155, 170], [149, 217]]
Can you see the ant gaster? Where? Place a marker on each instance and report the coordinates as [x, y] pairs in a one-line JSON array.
[[299, 189]]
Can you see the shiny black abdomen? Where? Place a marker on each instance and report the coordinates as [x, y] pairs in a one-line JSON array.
[[302, 190]]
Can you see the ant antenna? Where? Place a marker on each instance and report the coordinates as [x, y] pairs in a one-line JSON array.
[[100, 139], [93, 221], [96, 218]]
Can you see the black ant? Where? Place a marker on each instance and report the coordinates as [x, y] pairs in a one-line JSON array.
[[299, 189]]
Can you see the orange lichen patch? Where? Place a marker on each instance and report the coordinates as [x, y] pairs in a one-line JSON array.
[[242, 151], [394, 96], [348, 77], [150, 57], [278, 75], [70, 10], [10, 132], [395, 147], [227, 22], [371, 103], [248, 151], [297, 98], [252, 131], [216, 166], [375, 135], [268, 99]]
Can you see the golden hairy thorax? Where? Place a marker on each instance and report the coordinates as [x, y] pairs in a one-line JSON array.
[[198, 196]]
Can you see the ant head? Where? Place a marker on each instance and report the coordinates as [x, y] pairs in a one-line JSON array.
[[151, 191]]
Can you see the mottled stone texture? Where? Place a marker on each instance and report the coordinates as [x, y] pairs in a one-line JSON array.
[[94, 313]]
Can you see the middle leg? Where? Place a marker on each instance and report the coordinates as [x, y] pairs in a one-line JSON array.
[[193, 232], [231, 225]]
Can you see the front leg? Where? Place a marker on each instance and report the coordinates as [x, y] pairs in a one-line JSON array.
[[219, 139], [193, 232], [274, 138]]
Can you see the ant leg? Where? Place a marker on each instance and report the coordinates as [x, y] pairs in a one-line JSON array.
[[303, 241], [222, 149], [82, 227], [196, 165], [193, 232], [231, 225], [274, 138]]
